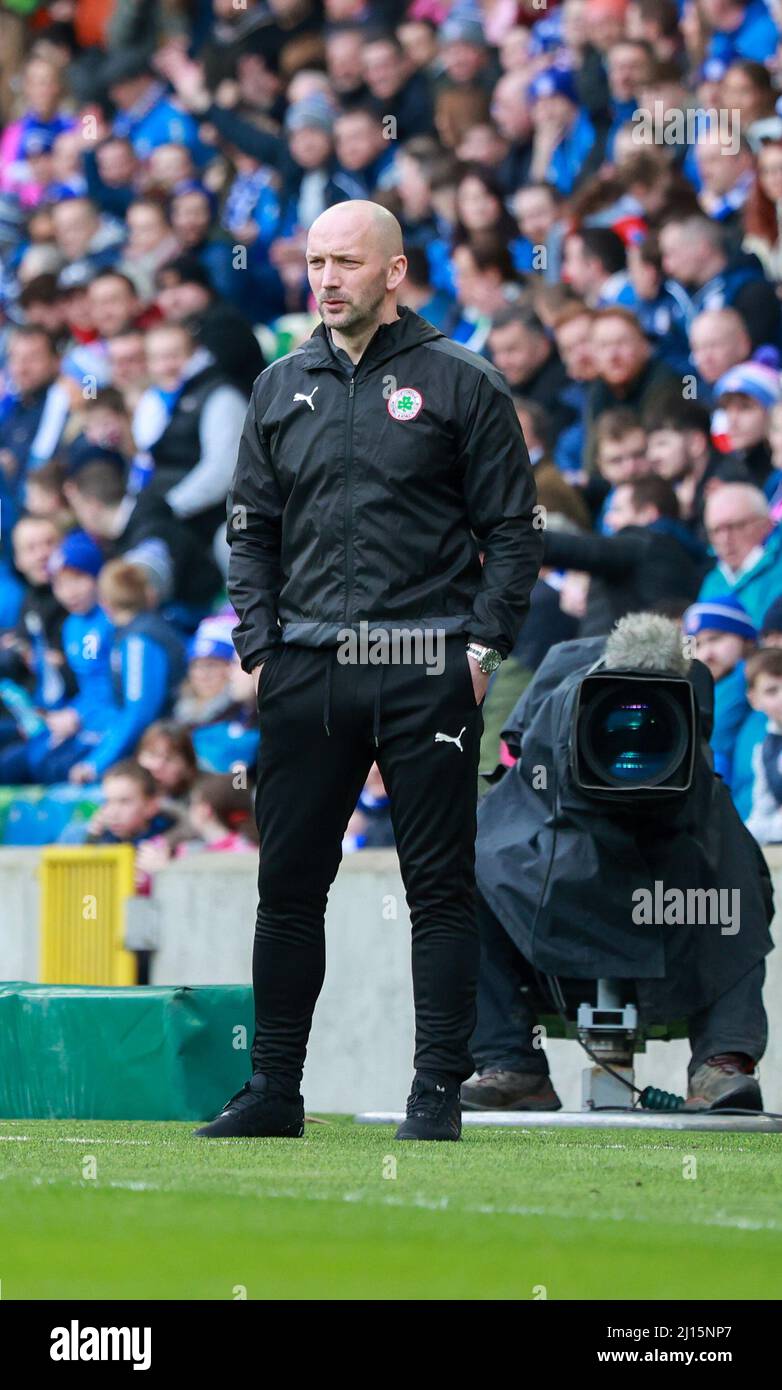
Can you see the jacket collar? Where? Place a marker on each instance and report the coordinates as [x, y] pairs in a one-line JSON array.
[[407, 331]]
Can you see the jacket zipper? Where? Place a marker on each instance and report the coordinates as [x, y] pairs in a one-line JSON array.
[[349, 502]]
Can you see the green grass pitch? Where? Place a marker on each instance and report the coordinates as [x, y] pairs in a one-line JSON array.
[[346, 1212]]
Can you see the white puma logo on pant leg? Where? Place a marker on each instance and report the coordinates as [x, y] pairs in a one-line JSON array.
[[446, 738]]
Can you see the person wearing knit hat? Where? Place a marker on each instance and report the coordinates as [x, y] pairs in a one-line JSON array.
[[465, 51], [754, 379], [461, 28], [553, 82], [218, 627], [744, 396], [723, 635], [314, 112], [209, 646], [719, 615], [564, 134], [207, 695], [76, 551]]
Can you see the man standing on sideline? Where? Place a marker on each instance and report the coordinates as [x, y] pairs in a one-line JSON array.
[[379, 462]]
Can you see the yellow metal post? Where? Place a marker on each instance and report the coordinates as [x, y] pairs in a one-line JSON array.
[[84, 889]]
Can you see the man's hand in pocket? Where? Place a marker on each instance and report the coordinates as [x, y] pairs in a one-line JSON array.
[[480, 681]]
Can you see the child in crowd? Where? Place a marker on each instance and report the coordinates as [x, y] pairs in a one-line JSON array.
[[105, 420], [166, 749], [130, 815], [764, 688], [221, 818], [147, 664], [130, 811], [222, 815], [207, 693], [233, 740], [724, 636], [70, 731]]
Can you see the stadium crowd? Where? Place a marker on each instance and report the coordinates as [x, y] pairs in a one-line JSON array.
[[590, 194]]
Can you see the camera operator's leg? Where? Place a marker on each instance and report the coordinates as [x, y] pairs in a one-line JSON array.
[[727, 1039], [512, 1073]]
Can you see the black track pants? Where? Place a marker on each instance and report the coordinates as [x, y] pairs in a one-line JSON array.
[[320, 720]]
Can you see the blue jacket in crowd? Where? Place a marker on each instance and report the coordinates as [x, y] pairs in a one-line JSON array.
[[87, 642], [755, 37], [737, 729], [756, 589], [148, 664]]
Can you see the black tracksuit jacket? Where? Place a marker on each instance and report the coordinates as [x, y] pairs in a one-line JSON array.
[[367, 494]]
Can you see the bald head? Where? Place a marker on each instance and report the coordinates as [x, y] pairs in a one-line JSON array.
[[719, 340], [360, 218], [355, 264], [732, 500]]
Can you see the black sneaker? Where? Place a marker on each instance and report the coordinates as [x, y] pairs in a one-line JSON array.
[[433, 1111], [258, 1111]]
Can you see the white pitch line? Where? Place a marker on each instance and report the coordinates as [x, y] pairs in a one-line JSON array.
[[27, 1138], [136, 1186], [419, 1202], [77, 1140]]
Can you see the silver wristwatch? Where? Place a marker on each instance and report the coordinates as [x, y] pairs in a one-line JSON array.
[[487, 658]]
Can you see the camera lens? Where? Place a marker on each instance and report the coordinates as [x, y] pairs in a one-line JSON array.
[[634, 736]]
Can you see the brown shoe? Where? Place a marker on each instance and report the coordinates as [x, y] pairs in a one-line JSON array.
[[725, 1082], [510, 1090]]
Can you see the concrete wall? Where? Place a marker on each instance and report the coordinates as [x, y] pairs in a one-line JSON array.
[[19, 910], [361, 1048]]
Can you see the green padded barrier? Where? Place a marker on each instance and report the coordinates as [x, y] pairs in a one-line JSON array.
[[140, 1053]]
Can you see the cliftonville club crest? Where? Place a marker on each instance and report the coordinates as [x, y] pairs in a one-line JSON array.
[[405, 403]]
